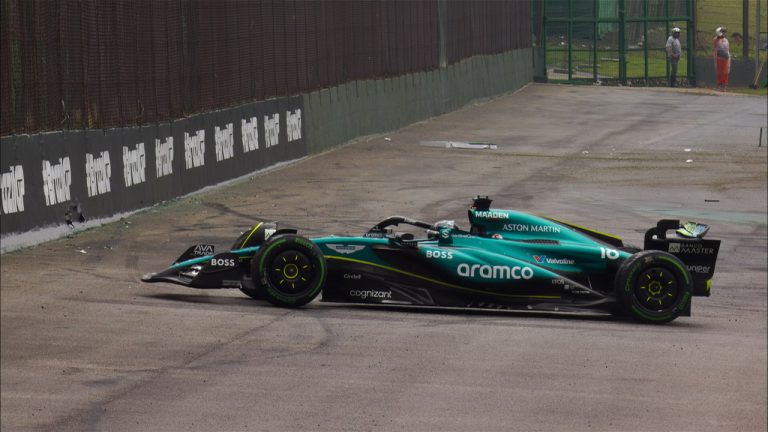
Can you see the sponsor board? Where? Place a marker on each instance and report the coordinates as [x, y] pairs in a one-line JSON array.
[[107, 172], [225, 142], [134, 165], [12, 187], [249, 130], [272, 130], [164, 157], [293, 124], [57, 181], [194, 149], [98, 171]]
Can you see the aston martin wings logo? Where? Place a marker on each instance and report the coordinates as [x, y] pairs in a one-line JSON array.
[[345, 249]]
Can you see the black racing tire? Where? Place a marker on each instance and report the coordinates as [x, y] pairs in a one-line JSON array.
[[289, 269], [653, 286]]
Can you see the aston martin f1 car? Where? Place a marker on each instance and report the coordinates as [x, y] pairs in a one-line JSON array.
[[505, 260]]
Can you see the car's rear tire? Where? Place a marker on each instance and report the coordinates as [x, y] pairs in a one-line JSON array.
[[289, 269], [653, 286]]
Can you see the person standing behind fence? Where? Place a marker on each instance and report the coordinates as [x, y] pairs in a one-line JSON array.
[[674, 52], [722, 54]]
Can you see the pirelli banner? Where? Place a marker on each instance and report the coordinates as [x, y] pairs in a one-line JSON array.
[[61, 177]]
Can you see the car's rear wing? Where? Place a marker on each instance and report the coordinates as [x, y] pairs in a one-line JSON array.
[[698, 254]]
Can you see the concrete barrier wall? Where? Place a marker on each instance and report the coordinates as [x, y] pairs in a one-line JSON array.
[[54, 178], [339, 114], [742, 72], [51, 179]]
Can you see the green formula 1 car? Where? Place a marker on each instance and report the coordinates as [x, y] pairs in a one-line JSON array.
[[506, 260]]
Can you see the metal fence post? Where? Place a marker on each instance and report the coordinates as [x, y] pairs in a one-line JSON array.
[[645, 42], [570, 40], [543, 41], [441, 31], [595, 16], [691, 41], [622, 43]]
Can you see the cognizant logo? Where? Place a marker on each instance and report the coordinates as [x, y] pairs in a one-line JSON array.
[[364, 294], [494, 272]]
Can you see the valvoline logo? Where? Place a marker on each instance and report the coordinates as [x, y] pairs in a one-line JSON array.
[[543, 259]]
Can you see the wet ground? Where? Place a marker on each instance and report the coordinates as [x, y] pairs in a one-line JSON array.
[[87, 346]]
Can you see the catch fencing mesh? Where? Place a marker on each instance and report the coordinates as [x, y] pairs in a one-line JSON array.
[[113, 63]]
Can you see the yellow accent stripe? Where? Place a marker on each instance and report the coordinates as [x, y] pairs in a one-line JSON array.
[[461, 288], [583, 228], [249, 235]]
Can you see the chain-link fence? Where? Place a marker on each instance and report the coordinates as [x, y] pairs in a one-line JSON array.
[[746, 21], [486, 27], [613, 41], [99, 64]]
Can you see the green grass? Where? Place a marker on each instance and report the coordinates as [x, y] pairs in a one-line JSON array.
[[749, 91], [711, 14], [608, 65]]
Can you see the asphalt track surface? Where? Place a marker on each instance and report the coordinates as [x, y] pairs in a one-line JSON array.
[[87, 346]]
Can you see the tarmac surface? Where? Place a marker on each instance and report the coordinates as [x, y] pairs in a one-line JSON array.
[[86, 346]]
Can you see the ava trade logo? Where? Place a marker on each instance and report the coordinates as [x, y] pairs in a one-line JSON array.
[[543, 259]]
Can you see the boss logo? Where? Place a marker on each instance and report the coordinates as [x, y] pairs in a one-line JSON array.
[[223, 262], [439, 254]]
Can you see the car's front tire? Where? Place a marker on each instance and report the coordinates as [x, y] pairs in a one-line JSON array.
[[653, 286], [290, 270]]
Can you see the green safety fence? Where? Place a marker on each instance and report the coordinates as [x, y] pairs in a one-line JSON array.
[[616, 41]]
